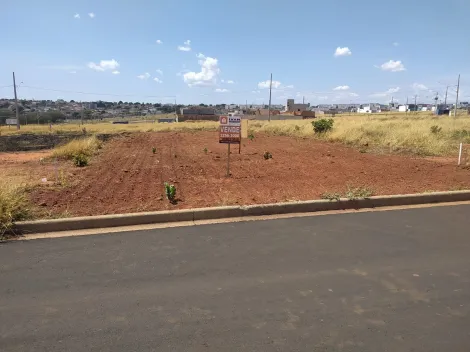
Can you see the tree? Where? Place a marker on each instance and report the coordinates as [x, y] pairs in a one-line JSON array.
[[72, 101], [120, 102]]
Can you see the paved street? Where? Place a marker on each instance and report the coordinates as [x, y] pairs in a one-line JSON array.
[[378, 281]]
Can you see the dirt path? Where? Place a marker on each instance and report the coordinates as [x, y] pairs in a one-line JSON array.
[[127, 177]]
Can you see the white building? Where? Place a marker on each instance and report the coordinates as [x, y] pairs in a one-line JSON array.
[[402, 108], [368, 109]]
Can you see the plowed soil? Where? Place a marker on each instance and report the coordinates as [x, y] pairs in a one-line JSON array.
[[127, 177]]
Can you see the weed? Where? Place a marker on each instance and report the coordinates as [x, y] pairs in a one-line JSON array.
[[86, 146], [359, 193], [13, 206], [297, 128], [170, 191], [323, 125], [267, 155], [461, 134], [205, 150], [251, 136], [80, 160], [63, 178], [331, 196], [154, 150], [435, 129]]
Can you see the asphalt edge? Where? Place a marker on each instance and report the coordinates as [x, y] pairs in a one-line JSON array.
[[117, 220]]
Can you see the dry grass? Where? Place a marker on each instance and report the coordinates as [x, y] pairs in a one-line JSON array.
[[392, 133], [109, 128], [14, 205], [85, 146]]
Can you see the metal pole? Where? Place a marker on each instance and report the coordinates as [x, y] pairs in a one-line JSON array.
[[406, 110], [81, 113], [457, 98], [228, 160], [445, 101], [416, 107], [16, 104], [270, 88]]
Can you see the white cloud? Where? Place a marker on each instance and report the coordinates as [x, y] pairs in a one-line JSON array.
[[208, 74], [104, 65], [221, 90], [354, 95], [256, 91], [290, 86], [324, 97], [77, 16], [341, 88], [158, 80], [266, 84], [92, 15], [396, 44], [230, 82], [115, 72], [145, 75], [160, 72], [393, 66], [386, 93], [419, 86], [342, 51], [159, 41], [186, 46], [393, 90]]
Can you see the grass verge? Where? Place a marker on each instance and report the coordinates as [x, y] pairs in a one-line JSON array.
[[14, 206]]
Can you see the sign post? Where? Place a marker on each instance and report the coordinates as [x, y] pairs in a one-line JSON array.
[[229, 133]]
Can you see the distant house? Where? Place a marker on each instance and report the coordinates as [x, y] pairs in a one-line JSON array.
[[368, 109], [291, 106]]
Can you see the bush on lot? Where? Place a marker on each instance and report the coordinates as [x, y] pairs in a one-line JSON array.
[[267, 155], [86, 146], [322, 125], [80, 160], [13, 206]]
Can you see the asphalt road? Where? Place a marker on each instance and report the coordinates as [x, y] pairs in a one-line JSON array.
[[380, 281]]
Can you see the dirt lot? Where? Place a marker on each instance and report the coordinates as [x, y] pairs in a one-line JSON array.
[[127, 177]]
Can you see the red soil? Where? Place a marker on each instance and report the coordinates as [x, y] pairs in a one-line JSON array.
[[127, 177]]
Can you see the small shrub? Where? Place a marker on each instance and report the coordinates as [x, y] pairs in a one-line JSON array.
[[154, 150], [251, 137], [267, 155], [205, 150], [331, 196], [170, 192], [80, 160], [461, 134], [323, 125], [436, 129], [297, 128], [359, 193]]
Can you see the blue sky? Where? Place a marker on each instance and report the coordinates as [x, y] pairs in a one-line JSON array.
[[335, 51]]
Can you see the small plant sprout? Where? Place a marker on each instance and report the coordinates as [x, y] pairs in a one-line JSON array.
[[154, 150], [170, 192], [251, 136], [205, 150], [267, 155]]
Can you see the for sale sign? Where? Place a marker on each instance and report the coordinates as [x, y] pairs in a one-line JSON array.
[[229, 130]]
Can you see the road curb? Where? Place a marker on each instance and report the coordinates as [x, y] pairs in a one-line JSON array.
[[103, 221]]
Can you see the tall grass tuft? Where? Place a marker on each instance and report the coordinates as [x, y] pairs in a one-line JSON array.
[[86, 146], [14, 206]]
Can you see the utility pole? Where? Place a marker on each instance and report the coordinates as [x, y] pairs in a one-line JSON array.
[[457, 98], [81, 113], [406, 105], [16, 104], [445, 101], [270, 88]]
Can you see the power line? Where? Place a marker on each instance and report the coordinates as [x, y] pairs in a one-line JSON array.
[[103, 94]]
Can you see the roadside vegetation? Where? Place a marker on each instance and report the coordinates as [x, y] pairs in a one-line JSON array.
[[14, 206]]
